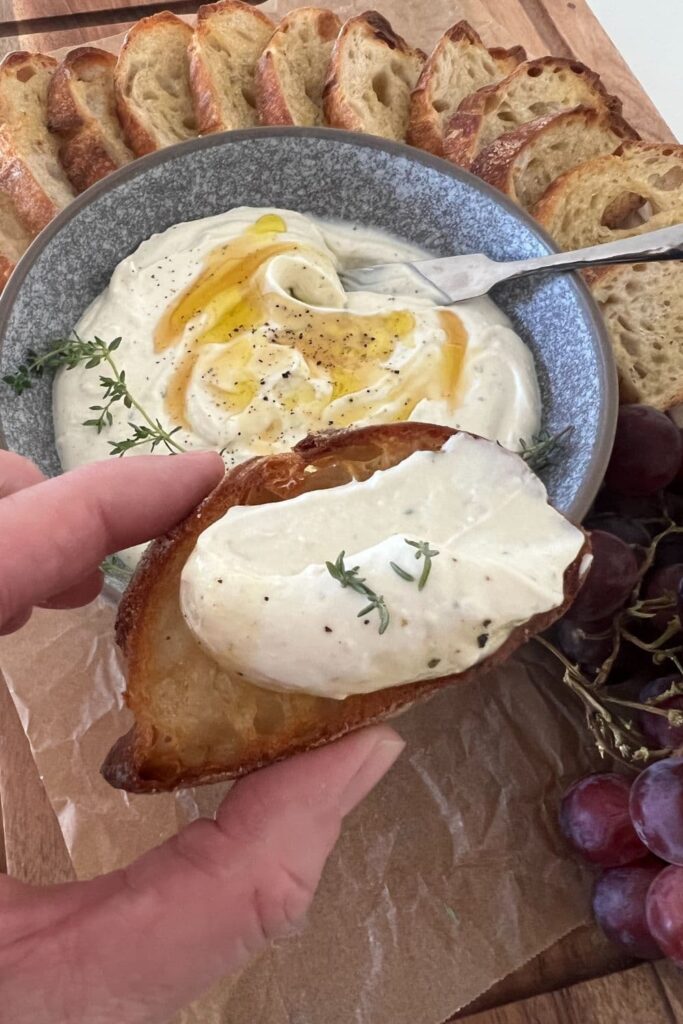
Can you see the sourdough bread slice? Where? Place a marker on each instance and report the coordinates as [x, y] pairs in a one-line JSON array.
[[588, 204], [535, 88], [82, 111], [14, 238], [30, 172], [642, 305], [524, 162], [228, 40], [291, 72], [372, 73], [194, 722], [459, 65], [152, 84]]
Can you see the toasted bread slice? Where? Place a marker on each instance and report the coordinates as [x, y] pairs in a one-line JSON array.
[[228, 40], [372, 73], [524, 162], [587, 205], [81, 109], [152, 84], [291, 72], [194, 723], [30, 172], [14, 238], [642, 305], [535, 88], [459, 65]]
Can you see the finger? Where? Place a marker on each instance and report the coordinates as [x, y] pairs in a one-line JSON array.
[[186, 913], [16, 473], [79, 594], [55, 533]]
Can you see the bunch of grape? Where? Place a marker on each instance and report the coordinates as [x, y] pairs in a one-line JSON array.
[[626, 621], [635, 831], [624, 625]]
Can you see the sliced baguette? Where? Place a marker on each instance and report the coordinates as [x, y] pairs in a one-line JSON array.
[[372, 73], [535, 88], [82, 111], [152, 84], [193, 722], [14, 238], [642, 305], [524, 162], [228, 40], [291, 72], [586, 205], [459, 65], [31, 175]]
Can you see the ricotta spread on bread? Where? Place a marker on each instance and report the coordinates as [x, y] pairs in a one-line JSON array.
[[263, 593], [237, 330]]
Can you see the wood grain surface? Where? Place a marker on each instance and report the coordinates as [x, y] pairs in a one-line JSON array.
[[582, 979]]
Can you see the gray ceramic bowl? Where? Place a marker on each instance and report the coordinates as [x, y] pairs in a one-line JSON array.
[[330, 174]]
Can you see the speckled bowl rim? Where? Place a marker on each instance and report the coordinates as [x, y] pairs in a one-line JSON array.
[[607, 374]]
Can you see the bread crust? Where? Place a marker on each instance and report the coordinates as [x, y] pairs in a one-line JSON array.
[[83, 151], [461, 141], [338, 111], [496, 163], [271, 101], [205, 90], [424, 128], [6, 268], [34, 206], [140, 140], [132, 763]]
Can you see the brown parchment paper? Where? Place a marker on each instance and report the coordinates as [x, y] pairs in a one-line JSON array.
[[449, 877]]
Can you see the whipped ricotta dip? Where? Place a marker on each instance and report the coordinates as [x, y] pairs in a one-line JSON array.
[[236, 329], [259, 596]]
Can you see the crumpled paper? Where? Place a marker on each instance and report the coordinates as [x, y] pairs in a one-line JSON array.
[[450, 875]]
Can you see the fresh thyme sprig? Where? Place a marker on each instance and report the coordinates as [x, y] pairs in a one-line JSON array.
[[423, 550], [350, 578], [540, 452], [71, 352]]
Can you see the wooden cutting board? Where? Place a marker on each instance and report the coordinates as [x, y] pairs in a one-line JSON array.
[[581, 980]]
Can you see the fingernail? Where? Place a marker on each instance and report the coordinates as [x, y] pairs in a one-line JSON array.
[[376, 764]]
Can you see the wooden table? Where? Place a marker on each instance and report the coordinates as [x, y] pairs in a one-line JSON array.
[[582, 979]]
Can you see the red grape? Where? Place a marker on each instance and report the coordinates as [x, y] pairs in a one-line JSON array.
[[594, 817], [661, 583], [629, 506], [610, 580], [656, 806], [628, 530], [619, 907], [673, 503], [669, 550], [647, 451], [587, 645], [664, 911], [657, 729], [677, 482]]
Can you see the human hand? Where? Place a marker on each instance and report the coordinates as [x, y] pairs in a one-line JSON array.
[[134, 946]]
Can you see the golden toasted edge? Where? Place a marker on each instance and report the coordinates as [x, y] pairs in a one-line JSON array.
[[126, 765], [136, 134], [553, 197], [338, 112], [203, 86], [462, 131], [271, 103], [82, 153], [496, 163], [424, 130], [34, 207]]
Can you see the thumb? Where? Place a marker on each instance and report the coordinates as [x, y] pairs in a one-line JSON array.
[[137, 945]]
